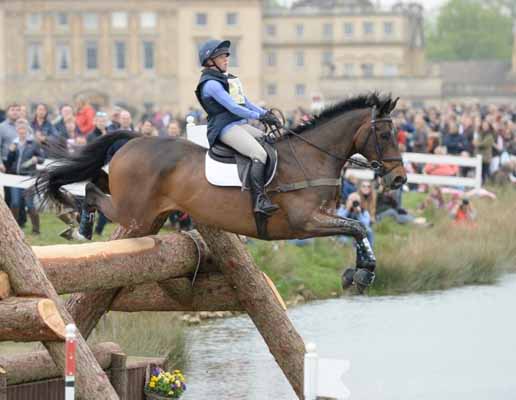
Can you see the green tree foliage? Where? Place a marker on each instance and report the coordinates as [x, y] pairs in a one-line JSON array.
[[471, 30]]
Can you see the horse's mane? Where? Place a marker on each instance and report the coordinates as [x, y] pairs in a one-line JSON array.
[[351, 104]]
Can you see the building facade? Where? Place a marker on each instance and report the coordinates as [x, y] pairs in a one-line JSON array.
[[142, 54]]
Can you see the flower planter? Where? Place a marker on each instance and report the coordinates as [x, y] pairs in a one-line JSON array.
[[154, 396]]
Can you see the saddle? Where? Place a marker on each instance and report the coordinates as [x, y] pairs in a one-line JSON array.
[[227, 167]]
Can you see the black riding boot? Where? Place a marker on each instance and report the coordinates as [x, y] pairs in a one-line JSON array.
[[86, 225], [365, 255], [261, 202]]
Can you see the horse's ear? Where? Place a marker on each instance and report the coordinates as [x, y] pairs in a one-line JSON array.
[[385, 107], [393, 104]]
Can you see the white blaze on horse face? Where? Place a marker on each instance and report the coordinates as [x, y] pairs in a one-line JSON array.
[[236, 90]]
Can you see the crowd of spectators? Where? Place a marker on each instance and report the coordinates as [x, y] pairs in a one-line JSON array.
[[489, 131], [25, 140]]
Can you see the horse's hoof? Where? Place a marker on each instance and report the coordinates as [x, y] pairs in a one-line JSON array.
[[362, 279], [347, 278], [67, 233]]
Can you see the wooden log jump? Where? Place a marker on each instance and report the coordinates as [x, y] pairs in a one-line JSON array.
[[153, 273]]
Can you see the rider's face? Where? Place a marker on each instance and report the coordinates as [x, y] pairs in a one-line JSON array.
[[222, 61]]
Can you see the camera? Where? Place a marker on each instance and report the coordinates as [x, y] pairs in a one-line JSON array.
[[355, 204], [465, 202]]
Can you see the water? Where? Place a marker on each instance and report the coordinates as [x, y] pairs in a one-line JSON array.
[[458, 344]]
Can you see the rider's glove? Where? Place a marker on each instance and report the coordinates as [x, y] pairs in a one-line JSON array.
[[270, 119]]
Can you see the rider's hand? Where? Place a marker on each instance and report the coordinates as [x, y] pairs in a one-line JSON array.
[[269, 118]]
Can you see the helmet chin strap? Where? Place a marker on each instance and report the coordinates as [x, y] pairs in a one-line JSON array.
[[216, 66]]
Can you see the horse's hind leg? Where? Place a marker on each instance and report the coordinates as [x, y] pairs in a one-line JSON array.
[[96, 199]]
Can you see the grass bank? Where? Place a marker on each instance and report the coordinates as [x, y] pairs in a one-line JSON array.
[[410, 258]]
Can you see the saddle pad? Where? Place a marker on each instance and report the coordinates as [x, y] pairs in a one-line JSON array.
[[223, 174]]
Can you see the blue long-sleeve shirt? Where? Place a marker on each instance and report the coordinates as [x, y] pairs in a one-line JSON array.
[[215, 90]]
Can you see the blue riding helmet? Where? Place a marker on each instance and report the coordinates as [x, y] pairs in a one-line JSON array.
[[213, 48]]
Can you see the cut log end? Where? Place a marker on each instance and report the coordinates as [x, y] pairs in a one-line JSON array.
[[275, 291], [48, 312], [5, 286]]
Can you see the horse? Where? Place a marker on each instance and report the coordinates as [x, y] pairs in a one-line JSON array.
[[149, 177]]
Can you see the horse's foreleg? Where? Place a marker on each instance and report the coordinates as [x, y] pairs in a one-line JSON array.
[[322, 224]]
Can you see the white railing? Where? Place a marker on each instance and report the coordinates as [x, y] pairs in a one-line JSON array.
[[473, 162]]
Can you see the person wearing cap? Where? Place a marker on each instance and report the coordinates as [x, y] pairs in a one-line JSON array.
[[222, 96], [22, 158], [100, 121]]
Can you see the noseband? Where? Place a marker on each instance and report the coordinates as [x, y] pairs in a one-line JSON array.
[[376, 165]]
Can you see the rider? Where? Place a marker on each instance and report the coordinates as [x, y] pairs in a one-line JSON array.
[[222, 97]]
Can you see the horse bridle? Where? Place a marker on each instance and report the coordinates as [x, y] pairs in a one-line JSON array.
[[376, 165]]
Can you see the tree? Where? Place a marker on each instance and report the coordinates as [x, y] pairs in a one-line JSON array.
[[471, 30]]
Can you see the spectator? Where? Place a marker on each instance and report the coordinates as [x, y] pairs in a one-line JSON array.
[[441, 169], [463, 212], [101, 123], [41, 126], [483, 142], [349, 185], [8, 132], [420, 135], [368, 199], [455, 143], [173, 128], [435, 199], [65, 113], [85, 116], [147, 128], [22, 158], [353, 210], [126, 121], [114, 122], [388, 205]]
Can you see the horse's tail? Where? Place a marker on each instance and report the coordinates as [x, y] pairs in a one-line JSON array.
[[84, 165]]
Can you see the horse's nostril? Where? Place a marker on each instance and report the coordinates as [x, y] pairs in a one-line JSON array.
[[399, 181]]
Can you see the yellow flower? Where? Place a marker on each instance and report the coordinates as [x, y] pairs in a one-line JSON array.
[[177, 371], [152, 385], [171, 393], [166, 380], [178, 384]]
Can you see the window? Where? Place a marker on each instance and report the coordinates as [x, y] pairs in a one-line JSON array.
[[148, 20], [327, 58], [270, 30], [201, 19], [271, 59], [62, 57], [390, 70], [232, 19], [62, 21], [388, 28], [300, 30], [119, 20], [235, 51], [92, 55], [148, 55], [34, 22], [368, 70], [272, 89], [300, 59], [328, 31], [368, 28], [300, 89], [34, 57], [349, 29], [349, 69], [120, 55], [90, 22]]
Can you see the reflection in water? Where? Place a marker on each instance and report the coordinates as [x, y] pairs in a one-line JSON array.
[[459, 344]]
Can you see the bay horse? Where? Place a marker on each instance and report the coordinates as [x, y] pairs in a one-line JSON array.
[[151, 176]]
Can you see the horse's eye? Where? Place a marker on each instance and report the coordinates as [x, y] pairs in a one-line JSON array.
[[385, 135]]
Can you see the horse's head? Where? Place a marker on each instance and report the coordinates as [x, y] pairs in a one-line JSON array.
[[376, 140]]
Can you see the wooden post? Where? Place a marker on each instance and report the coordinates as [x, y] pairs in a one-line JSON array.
[[260, 302], [28, 279], [119, 374], [3, 385]]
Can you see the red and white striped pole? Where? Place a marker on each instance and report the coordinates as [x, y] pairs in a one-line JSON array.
[[71, 346]]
